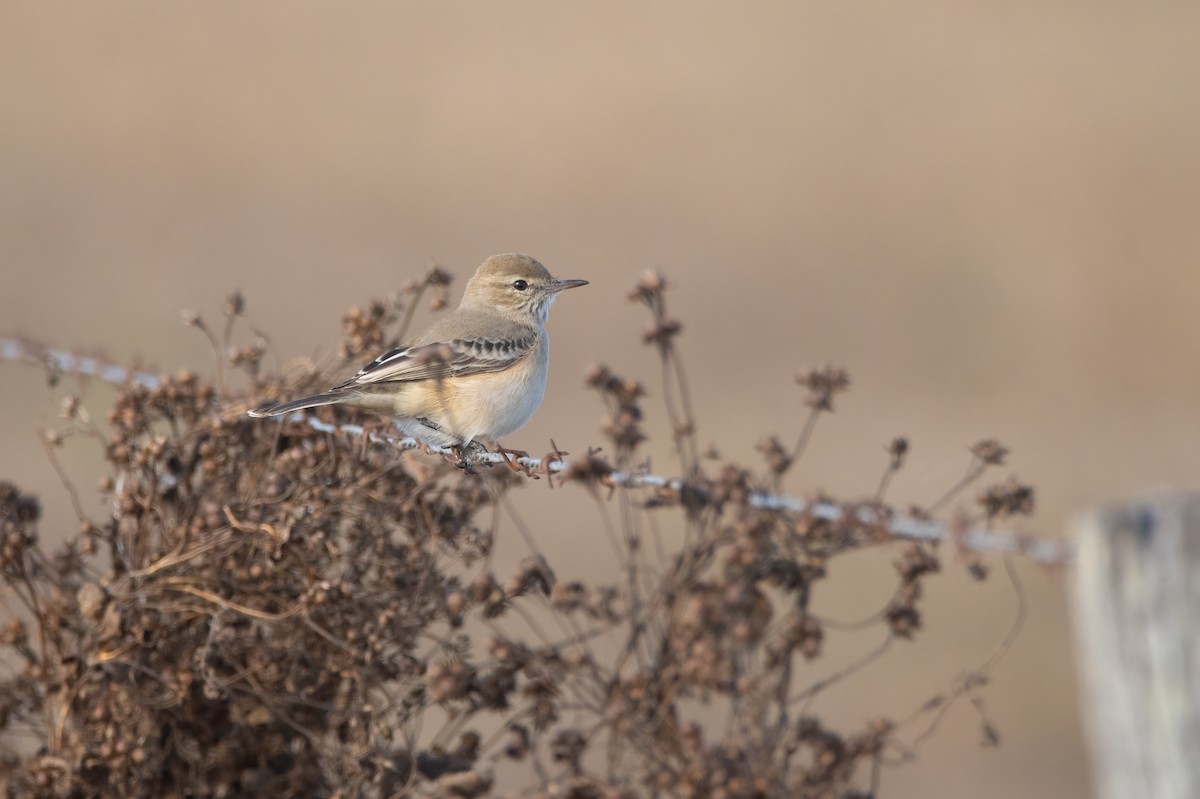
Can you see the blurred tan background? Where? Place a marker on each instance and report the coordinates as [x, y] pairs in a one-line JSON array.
[[987, 212]]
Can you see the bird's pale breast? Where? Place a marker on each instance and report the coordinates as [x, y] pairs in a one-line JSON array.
[[484, 406]]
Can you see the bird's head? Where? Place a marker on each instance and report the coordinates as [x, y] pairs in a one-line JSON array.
[[517, 284]]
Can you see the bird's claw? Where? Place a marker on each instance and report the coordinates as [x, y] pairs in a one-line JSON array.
[[467, 455]]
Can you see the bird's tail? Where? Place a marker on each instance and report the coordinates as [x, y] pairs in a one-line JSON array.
[[315, 401]]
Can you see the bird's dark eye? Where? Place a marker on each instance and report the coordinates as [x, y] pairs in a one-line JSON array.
[[520, 285]]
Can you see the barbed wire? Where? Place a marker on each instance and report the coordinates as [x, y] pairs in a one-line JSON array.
[[67, 362], [1046, 550]]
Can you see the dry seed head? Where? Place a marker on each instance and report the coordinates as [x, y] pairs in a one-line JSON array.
[[897, 448], [822, 385], [777, 457], [661, 331], [235, 303], [990, 451], [1010, 498], [649, 288], [70, 406]]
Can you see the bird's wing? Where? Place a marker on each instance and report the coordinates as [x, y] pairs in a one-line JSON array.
[[442, 360]]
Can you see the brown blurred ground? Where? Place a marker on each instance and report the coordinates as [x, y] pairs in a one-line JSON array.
[[986, 212]]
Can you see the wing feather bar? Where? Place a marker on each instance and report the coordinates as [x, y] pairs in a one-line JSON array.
[[456, 358]]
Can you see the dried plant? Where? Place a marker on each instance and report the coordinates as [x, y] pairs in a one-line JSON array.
[[280, 610]]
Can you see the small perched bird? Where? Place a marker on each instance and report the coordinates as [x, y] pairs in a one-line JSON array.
[[478, 373]]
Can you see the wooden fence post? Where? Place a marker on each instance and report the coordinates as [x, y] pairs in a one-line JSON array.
[[1137, 625]]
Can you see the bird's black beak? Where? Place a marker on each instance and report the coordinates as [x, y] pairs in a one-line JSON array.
[[562, 285]]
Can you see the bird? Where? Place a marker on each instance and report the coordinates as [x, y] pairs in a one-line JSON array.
[[477, 374]]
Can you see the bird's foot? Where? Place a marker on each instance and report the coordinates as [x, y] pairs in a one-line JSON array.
[[467, 455]]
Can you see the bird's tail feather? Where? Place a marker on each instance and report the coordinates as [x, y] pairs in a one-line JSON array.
[[315, 401]]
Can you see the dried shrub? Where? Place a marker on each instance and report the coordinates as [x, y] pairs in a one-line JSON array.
[[279, 610]]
